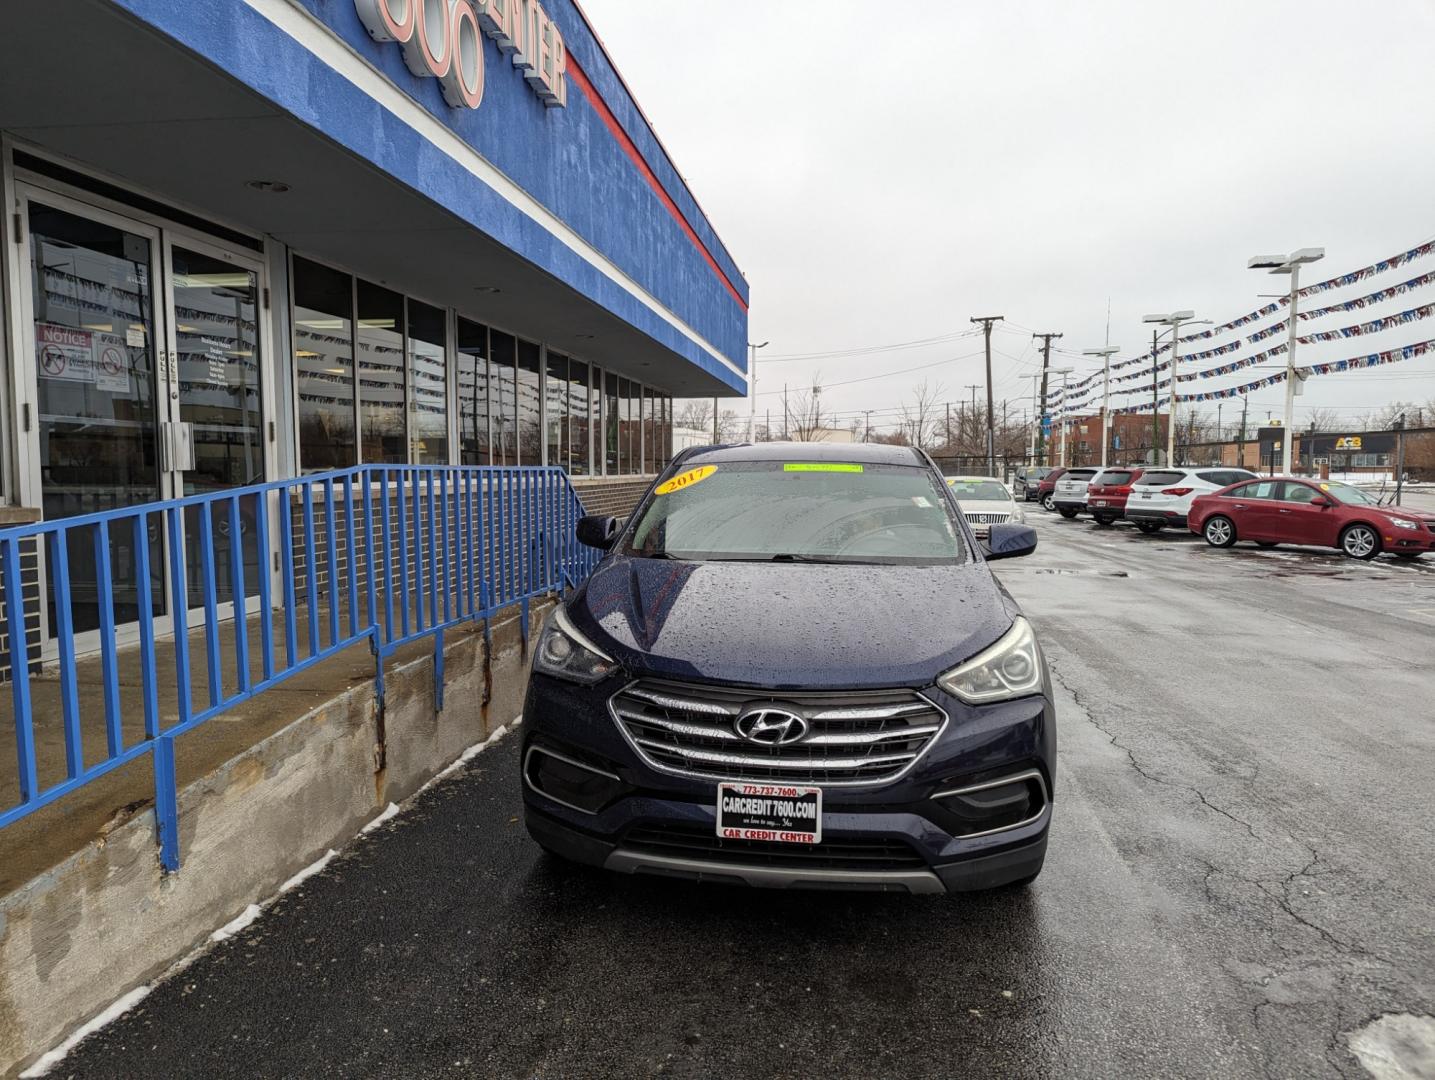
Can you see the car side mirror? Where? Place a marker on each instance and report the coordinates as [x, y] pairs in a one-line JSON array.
[[597, 531], [1320, 500], [1010, 541]]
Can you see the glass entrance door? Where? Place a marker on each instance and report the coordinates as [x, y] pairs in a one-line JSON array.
[[216, 390], [134, 339], [97, 408]]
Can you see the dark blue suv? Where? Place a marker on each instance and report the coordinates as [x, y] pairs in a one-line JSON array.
[[794, 669]]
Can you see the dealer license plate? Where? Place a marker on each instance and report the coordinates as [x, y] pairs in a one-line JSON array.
[[1100, 502], [780, 813]]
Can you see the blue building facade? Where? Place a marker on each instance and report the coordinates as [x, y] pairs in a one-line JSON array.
[[248, 239]]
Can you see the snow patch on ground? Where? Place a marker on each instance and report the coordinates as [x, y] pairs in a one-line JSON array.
[[53, 1057], [247, 917], [1397, 1046], [243, 919], [308, 872], [390, 811]]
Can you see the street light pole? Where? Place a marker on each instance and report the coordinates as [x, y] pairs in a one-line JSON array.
[[1173, 320], [752, 389], [986, 321], [1036, 410], [1288, 264], [1063, 372], [1106, 353]]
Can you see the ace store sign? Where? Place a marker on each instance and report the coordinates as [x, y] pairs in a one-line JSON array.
[[443, 39]]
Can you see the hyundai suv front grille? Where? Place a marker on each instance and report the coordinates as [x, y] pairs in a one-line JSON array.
[[850, 737]]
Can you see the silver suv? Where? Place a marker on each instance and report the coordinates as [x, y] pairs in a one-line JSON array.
[[1163, 497], [1070, 495]]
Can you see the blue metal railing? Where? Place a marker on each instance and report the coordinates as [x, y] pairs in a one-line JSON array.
[[383, 554]]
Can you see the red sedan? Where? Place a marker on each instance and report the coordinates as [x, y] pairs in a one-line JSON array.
[[1282, 510]]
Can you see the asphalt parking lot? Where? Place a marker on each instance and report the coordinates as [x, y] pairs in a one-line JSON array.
[[1240, 878]]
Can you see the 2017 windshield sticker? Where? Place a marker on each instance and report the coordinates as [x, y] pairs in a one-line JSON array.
[[686, 480], [820, 466]]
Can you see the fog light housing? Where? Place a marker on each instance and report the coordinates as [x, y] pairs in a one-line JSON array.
[[569, 782], [991, 806]]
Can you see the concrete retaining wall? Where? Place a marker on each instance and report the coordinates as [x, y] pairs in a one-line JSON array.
[[107, 920]]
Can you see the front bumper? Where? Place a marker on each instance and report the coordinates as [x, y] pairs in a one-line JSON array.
[[651, 822]]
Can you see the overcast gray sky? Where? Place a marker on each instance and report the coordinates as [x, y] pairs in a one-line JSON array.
[[882, 172]]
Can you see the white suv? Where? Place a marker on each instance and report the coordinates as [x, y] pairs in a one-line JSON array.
[[1070, 494], [1163, 497]]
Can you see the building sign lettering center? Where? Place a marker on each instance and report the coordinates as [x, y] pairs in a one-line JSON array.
[[443, 39]]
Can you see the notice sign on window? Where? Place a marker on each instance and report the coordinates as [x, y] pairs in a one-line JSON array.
[[82, 356]]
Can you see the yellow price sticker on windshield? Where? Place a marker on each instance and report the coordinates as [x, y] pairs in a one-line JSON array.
[[821, 466], [686, 480]]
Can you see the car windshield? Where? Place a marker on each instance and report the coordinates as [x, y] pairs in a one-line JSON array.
[[1348, 493], [797, 511], [978, 490]]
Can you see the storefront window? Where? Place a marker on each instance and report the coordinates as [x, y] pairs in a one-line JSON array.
[[324, 361], [473, 393], [610, 424], [428, 385], [578, 419], [503, 410], [530, 413], [555, 419], [381, 375], [650, 441], [625, 427]]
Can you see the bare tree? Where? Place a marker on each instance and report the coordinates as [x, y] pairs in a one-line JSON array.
[[696, 413], [1322, 420], [805, 418], [924, 415]]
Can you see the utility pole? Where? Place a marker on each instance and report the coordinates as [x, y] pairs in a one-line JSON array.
[[986, 321], [784, 413], [948, 440], [867, 436], [715, 421], [767, 425], [1041, 405]]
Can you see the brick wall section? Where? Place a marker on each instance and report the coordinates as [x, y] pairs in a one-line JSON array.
[[616, 495]]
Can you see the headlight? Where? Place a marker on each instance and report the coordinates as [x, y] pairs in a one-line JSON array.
[[1401, 523], [564, 653], [1010, 668]]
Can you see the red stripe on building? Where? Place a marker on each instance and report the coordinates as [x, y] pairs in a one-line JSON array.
[[578, 79]]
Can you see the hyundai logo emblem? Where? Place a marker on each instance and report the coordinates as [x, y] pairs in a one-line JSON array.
[[770, 727]]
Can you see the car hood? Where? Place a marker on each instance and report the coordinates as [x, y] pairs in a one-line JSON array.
[[791, 625], [976, 506]]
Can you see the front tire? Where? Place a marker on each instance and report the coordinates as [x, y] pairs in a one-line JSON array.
[[1219, 531], [1048, 502], [1067, 512], [1360, 542]]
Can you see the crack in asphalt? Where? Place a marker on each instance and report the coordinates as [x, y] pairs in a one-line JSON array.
[[1347, 955]]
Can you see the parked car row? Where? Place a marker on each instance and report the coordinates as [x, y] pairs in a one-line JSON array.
[[1227, 506]]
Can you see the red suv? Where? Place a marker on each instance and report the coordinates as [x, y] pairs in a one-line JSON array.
[[1284, 510], [1107, 495], [1046, 490]]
